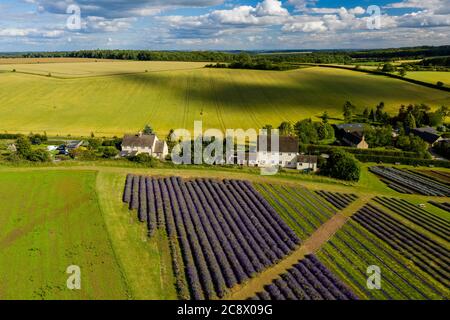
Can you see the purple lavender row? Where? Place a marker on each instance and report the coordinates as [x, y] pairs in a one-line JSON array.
[[272, 225], [127, 190], [270, 247], [195, 226], [193, 238], [188, 256], [246, 256], [272, 213]]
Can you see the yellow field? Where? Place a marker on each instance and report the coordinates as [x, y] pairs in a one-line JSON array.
[[90, 67], [430, 76], [81, 98]]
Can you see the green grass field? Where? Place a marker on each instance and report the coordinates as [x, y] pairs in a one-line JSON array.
[[111, 98], [50, 220], [430, 76]]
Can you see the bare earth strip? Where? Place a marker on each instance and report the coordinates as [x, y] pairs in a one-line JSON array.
[[311, 245]]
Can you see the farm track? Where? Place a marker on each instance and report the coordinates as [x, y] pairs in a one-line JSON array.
[[310, 246]]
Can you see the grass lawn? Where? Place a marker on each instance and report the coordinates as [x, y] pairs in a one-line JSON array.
[[171, 96], [49, 221]]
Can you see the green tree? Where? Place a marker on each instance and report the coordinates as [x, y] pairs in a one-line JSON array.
[[269, 128], [410, 122], [148, 130], [325, 117], [348, 109], [402, 73], [342, 165], [23, 146], [306, 131], [286, 128], [388, 67]]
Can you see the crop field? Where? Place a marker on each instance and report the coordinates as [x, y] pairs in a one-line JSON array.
[[226, 231], [430, 76], [301, 209], [48, 222], [437, 225], [430, 256], [339, 200], [442, 205], [354, 248], [309, 279], [13, 62], [80, 98], [410, 182]]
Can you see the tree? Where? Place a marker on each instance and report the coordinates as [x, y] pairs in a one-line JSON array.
[[306, 132], [286, 128], [170, 142], [410, 122], [440, 84], [379, 112], [366, 113], [349, 109], [325, 117], [148, 130], [110, 152], [388, 67], [269, 128], [402, 72], [23, 146], [342, 165]]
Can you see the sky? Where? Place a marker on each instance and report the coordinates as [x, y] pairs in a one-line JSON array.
[[59, 25]]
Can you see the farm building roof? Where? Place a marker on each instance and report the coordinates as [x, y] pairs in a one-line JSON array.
[[287, 144], [353, 137], [307, 159], [140, 140], [351, 127], [427, 134]]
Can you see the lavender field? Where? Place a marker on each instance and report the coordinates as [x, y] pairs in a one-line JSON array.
[[225, 230]]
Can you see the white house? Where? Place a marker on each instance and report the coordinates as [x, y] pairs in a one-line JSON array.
[[286, 156], [133, 145], [307, 163]]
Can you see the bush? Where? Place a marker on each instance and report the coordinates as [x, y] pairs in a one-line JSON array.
[[109, 152], [343, 166], [144, 158]]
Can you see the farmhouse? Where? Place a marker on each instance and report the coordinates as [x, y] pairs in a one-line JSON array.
[[133, 145], [307, 163], [355, 140], [352, 135], [428, 134]]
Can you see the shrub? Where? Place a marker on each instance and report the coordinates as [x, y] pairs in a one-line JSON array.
[[342, 165]]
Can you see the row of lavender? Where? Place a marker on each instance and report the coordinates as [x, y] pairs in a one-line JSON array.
[[309, 279], [227, 231], [427, 220], [339, 200], [408, 182], [427, 254], [441, 205]]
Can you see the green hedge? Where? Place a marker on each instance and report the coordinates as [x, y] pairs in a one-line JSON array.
[[404, 161], [311, 148], [8, 136]]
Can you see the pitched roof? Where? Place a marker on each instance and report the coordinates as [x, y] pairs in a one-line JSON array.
[[353, 137], [307, 159], [427, 134], [286, 144], [159, 147], [351, 127], [141, 141]]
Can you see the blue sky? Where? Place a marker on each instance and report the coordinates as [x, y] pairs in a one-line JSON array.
[[42, 25]]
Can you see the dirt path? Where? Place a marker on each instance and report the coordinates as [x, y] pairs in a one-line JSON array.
[[311, 245]]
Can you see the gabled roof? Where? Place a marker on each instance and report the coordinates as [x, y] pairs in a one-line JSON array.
[[307, 159], [286, 144], [427, 134], [159, 147], [351, 127], [354, 138], [141, 141]]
